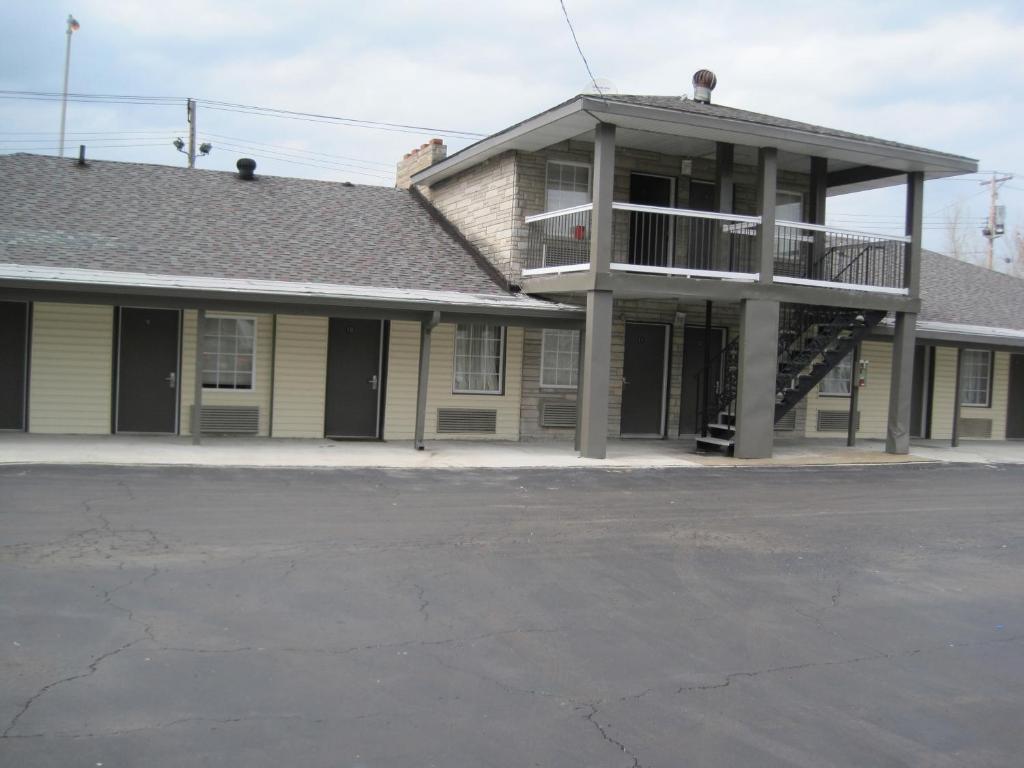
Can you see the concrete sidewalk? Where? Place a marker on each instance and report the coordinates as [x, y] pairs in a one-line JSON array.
[[262, 452]]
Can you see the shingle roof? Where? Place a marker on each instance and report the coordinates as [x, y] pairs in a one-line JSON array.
[[954, 291], [679, 104], [135, 217]]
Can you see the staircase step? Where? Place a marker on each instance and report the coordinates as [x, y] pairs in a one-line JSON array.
[[725, 431], [716, 444]]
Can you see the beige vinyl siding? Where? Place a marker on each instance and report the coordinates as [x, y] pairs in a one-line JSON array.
[[403, 368], [300, 372], [944, 395], [258, 396], [71, 371], [873, 401]]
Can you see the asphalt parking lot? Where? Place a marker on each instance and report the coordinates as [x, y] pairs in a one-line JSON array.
[[734, 617]]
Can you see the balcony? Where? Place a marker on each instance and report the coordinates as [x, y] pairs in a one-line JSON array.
[[680, 242]]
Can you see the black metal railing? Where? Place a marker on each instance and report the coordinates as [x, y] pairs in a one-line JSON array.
[[717, 384], [811, 252]]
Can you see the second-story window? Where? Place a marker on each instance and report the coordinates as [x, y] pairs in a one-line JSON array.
[[567, 185]]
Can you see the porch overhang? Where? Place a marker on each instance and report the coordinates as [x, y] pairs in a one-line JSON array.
[[855, 163], [961, 335], [638, 286], [36, 283]]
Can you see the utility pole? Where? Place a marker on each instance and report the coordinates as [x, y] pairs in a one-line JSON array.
[[191, 133], [72, 27], [996, 225]]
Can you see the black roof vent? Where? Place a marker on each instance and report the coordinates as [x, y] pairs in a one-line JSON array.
[[347, 184], [246, 168]]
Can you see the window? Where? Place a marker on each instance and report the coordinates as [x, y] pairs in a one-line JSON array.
[[837, 381], [976, 377], [559, 358], [228, 352], [789, 206], [479, 359], [568, 185]]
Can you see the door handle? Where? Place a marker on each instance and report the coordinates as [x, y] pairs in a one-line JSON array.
[[171, 379], [372, 381]]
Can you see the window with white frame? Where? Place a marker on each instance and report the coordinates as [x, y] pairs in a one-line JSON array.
[[567, 185], [789, 206], [976, 377], [559, 358], [229, 349], [837, 381], [479, 359]]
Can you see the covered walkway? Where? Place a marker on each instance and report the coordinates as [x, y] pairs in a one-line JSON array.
[[20, 448]]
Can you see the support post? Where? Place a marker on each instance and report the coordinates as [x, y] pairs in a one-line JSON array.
[[197, 384], [851, 427], [914, 229], [767, 181], [597, 359], [191, 133], [758, 365], [604, 184], [816, 215], [897, 436], [579, 389], [426, 329], [957, 397], [705, 413], [724, 201]]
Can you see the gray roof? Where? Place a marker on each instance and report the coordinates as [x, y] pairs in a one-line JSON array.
[[134, 217], [679, 104], [954, 291]]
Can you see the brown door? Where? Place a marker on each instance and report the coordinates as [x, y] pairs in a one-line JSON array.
[[644, 380], [1015, 405], [147, 370], [354, 371], [692, 397], [13, 363]]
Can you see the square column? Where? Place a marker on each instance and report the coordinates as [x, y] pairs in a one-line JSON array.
[[767, 181], [758, 366], [604, 185], [197, 384], [596, 370], [897, 433]]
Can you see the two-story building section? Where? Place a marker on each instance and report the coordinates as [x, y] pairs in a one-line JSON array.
[[694, 234]]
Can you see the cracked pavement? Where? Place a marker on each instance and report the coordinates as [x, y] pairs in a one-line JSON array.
[[768, 617]]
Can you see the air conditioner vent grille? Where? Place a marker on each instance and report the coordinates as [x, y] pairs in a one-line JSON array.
[[558, 414], [229, 419], [467, 420]]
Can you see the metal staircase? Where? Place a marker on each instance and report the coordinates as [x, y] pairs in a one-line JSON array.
[[812, 341]]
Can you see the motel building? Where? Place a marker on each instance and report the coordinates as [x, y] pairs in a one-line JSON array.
[[616, 266]]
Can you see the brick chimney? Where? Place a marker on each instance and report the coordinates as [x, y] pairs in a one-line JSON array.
[[424, 156]]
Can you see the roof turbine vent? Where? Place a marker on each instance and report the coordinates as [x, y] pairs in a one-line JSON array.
[[246, 168], [704, 82]]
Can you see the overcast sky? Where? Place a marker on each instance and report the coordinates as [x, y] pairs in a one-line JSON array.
[[944, 75]]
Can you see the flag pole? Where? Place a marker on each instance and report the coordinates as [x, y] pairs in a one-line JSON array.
[[72, 26]]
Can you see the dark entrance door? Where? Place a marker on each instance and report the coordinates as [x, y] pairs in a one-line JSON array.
[[700, 232], [692, 397], [1015, 405], [920, 398], [644, 380], [13, 363], [354, 381], [650, 234], [147, 370]]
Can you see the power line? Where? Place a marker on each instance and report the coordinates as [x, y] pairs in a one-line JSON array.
[[389, 166], [250, 109], [586, 64], [307, 161]]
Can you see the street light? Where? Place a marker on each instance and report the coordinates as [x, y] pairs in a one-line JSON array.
[[73, 26]]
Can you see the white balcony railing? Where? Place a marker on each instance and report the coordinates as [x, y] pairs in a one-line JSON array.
[[706, 244]]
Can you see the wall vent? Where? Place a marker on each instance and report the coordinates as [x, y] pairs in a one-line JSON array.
[[229, 419], [476, 420], [558, 414], [787, 423], [835, 421], [977, 428]]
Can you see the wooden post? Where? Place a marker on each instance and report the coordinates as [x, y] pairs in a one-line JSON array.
[[197, 384], [426, 328], [957, 397], [851, 427]]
